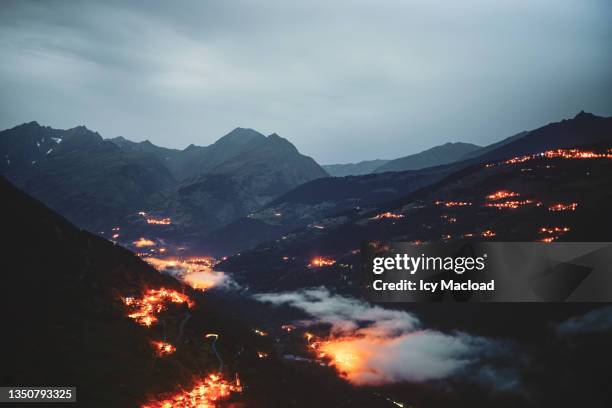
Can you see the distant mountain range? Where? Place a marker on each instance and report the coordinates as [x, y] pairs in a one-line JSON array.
[[97, 183], [435, 156]]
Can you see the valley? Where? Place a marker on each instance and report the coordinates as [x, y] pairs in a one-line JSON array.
[[261, 326]]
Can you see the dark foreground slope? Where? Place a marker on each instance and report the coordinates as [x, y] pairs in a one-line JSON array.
[[64, 321], [64, 324]]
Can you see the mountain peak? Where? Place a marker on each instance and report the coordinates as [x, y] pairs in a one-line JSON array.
[[237, 139], [28, 125], [241, 133], [584, 115]]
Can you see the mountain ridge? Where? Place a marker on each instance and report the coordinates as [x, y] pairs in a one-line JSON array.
[[435, 156]]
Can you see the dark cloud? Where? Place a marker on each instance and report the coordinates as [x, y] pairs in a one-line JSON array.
[[344, 81]]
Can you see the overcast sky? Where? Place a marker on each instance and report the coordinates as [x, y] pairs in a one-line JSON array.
[[346, 81]]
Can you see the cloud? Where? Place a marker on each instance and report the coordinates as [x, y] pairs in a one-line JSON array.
[[594, 321], [335, 78], [345, 314], [371, 345]]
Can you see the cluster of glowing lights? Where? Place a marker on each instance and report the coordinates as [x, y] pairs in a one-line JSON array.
[[510, 204], [570, 154], [321, 261], [387, 215], [162, 348], [205, 393], [143, 242], [155, 220], [337, 352], [563, 207], [502, 194], [145, 309], [488, 234], [453, 203], [552, 233], [576, 154], [288, 328], [159, 221], [262, 354], [260, 333]]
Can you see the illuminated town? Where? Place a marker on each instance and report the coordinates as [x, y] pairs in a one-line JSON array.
[[498, 195], [569, 154], [453, 203], [563, 207], [387, 215], [162, 348], [205, 393], [321, 261], [513, 204], [145, 310]]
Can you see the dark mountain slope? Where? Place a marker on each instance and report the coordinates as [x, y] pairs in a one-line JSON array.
[[436, 156], [64, 319]]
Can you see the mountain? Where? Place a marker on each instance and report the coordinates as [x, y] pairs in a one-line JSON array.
[[99, 184], [438, 155], [353, 169], [238, 174], [201, 160], [316, 203], [87, 179]]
